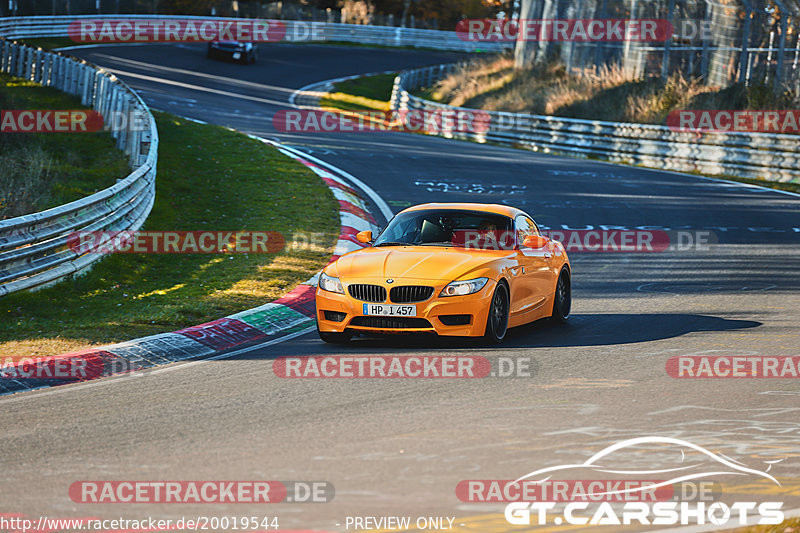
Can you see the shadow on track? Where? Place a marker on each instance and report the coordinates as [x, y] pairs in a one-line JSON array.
[[581, 330]]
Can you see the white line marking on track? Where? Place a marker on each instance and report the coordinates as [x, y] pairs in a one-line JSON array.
[[118, 72], [374, 196]]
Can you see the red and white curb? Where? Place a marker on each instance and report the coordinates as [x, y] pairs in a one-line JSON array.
[[290, 315]]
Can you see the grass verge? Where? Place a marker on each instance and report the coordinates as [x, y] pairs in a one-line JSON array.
[[50, 42], [361, 94], [208, 178], [43, 170]]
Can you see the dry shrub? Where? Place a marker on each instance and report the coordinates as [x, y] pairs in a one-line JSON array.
[[604, 93], [25, 179]]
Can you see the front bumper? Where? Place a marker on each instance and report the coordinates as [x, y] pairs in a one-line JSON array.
[[435, 313]]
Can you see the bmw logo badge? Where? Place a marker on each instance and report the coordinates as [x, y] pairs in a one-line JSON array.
[[389, 281]]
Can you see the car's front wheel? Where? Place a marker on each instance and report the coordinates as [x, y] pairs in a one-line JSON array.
[[562, 299], [332, 337], [497, 322]]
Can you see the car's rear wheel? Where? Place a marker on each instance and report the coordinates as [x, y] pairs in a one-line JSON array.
[[497, 322], [562, 299], [332, 337]]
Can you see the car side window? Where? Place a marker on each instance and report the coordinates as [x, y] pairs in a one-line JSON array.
[[525, 228]]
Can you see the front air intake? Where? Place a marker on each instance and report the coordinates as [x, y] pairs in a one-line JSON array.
[[367, 293]]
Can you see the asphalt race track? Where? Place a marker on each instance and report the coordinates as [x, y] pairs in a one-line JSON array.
[[400, 447]]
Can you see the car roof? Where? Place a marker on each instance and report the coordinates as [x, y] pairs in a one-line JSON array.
[[498, 209]]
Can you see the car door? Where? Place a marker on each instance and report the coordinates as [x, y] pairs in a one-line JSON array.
[[534, 277]]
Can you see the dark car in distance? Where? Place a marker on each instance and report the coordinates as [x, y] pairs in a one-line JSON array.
[[233, 50]]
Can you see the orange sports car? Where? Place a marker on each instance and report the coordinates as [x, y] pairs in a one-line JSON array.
[[452, 269]]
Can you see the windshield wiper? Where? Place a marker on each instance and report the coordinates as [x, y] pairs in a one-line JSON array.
[[437, 243], [391, 243]]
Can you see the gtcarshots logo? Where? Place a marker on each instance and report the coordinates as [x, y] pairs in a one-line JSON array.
[[172, 30], [214, 492], [175, 242], [595, 507]]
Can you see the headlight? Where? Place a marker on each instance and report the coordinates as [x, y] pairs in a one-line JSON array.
[[461, 288], [327, 283]]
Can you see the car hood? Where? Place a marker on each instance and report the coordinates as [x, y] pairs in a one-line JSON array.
[[416, 262]]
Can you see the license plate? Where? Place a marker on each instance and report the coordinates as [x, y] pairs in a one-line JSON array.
[[237, 55], [390, 310]]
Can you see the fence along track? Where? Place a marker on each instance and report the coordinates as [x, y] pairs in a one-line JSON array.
[[749, 155], [33, 248]]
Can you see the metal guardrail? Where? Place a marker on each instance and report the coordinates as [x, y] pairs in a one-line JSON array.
[[33, 248], [749, 155], [296, 31]]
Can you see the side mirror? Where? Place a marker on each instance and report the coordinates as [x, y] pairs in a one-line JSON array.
[[535, 241], [364, 236]]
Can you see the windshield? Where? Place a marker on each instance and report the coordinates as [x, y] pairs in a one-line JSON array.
[[459, 228]]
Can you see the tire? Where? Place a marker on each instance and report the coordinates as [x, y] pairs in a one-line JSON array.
[[562, 298], [333, 337], [497, 321]]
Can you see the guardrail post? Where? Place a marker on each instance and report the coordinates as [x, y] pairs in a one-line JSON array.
[[72, 70], [4, 49], [110, 110], [86, 84], [66, 84], [15, 61], [57, 73], [37, 65], [28, 64]]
